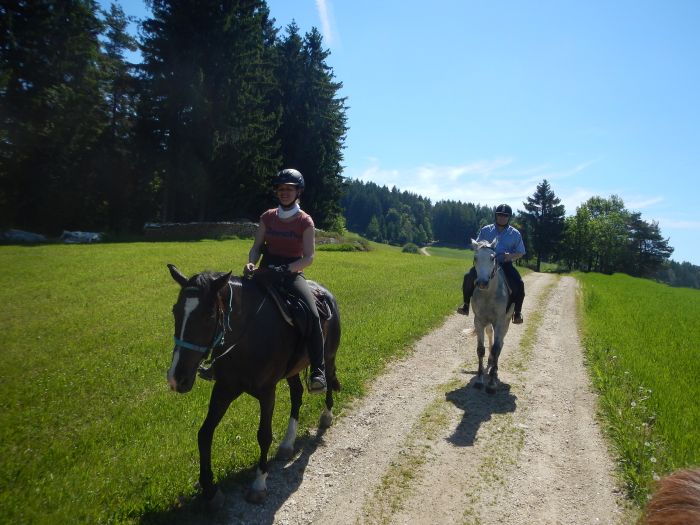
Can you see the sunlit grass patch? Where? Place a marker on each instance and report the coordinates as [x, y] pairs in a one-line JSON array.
[[89, 431], [642, 342]]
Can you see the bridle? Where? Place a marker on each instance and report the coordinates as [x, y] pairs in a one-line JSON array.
[[218, 337], [223, 323], [496, 266]]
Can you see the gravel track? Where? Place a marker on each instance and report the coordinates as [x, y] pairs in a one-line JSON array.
[[425, 447]]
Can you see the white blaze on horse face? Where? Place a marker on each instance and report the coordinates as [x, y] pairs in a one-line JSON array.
[[191, 304]]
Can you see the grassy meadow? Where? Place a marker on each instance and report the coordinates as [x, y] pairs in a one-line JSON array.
[[643, 346], [89, 431]]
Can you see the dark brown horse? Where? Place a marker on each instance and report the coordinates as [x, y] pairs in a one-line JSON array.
[[258, 348]]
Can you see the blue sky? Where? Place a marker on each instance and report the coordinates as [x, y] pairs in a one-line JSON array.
[[481, 101]]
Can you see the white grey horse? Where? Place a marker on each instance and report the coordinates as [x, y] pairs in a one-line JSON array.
[[490, 306]]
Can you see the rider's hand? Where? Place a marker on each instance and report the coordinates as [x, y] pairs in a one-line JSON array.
[[507, 257], [248, 269], [281, 268]]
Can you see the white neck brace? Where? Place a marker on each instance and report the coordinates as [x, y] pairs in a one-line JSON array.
[[291, 212]]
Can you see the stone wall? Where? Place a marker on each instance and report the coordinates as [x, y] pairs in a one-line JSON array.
[[177, 231]]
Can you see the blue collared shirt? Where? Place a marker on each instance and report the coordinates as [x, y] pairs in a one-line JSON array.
[[509, 240]]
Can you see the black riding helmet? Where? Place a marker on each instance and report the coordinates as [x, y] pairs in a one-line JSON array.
[[289, 176], [503, 209]]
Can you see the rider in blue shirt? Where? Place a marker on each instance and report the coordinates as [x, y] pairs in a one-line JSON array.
[[509, 248]]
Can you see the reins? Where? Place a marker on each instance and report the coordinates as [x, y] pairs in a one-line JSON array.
[[228, 325]]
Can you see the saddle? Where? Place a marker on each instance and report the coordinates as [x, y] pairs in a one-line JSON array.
[[291, 308]]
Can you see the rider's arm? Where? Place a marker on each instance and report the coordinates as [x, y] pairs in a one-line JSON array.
[[309, 250], [517, 251], [254, 253]]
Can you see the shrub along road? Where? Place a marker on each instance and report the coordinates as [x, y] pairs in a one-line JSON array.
[[425, 447]]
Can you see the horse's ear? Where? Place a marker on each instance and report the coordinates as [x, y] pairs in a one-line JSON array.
[[220, 282], [177, 275]]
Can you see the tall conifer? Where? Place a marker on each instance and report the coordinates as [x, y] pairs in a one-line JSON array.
[[51, 113]]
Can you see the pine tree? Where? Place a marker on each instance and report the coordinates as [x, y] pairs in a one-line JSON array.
[[117, 179], [648, 249], [208, 83], [313, 125], [52, 113], [545, 217]]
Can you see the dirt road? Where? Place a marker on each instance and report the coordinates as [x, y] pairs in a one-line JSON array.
[[425, 447]]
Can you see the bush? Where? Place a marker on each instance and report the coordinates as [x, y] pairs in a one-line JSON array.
[[344, 247], [410, 248]]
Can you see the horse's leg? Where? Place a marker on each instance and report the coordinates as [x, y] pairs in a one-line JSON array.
[[489, 335], [331, 336], [296, 390], [258, 490], [218, 404], [333, 384], [493, 359], [480, 352]]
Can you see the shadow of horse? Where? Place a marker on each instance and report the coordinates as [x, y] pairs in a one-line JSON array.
[[286, 476], [478, 408]]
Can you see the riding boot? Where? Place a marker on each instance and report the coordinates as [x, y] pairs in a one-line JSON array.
[[467, 291], [317, 381], [517, 315]]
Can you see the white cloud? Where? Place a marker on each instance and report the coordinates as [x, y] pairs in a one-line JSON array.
[[679, 225], [639, 203], [488, 182], [325, 14]]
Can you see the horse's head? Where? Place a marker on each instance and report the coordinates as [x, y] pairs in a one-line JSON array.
[[198, 324], [484, 261]]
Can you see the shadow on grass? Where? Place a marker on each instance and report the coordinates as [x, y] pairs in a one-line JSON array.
[[478, 407], [284, 479]]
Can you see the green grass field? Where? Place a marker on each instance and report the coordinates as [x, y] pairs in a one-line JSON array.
[[89, 431], [643, 345]]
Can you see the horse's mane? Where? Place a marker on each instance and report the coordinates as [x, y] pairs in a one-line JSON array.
[[203, 280]]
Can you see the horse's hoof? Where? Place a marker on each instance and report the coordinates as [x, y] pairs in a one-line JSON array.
[[217, 500], [326, 420], [284, 454], [255, 496]]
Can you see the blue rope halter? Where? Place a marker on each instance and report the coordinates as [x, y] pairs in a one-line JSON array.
[[218, 338]]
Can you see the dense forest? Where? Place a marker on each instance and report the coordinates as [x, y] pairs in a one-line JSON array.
[[220, 102]]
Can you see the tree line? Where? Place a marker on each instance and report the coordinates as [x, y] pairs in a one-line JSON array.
[[602, 236], [221, 100]]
